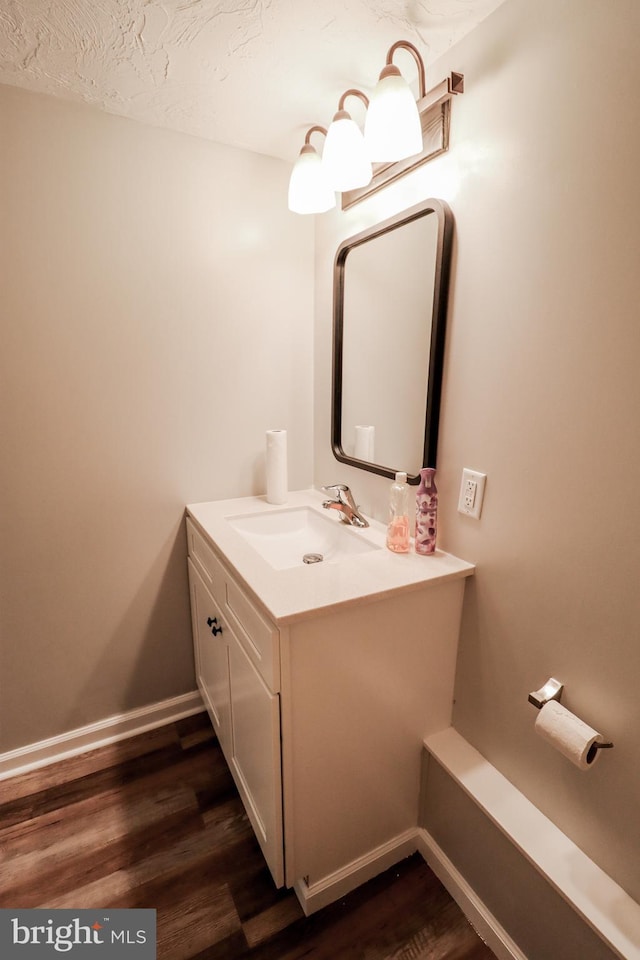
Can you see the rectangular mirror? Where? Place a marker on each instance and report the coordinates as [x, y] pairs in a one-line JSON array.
[[389, 315]]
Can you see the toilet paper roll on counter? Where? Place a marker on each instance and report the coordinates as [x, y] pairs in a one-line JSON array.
[[364, 442], [276, 467], [572, 737]]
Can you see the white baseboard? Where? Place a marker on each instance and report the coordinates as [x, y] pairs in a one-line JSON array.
[[478, 915], [110, 730], [316, 895]]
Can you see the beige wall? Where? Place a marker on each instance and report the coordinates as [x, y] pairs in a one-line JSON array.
[[542, 392], [156, 320]]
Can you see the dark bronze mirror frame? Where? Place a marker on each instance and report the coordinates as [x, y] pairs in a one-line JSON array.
[[438, 309]]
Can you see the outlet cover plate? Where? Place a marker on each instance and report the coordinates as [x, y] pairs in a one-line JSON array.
[[471, 493]]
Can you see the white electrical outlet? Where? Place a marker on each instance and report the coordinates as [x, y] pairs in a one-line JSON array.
[[471, 493]]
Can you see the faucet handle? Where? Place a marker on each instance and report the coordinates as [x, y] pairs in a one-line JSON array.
[[335, 488], [342, 493]]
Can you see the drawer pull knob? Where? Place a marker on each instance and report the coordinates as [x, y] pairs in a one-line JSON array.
[[215, 630]]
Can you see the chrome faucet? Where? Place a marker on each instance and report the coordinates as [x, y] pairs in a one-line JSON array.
[[344, 503]]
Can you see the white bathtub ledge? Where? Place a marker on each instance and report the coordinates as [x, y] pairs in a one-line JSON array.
[[598, 899]]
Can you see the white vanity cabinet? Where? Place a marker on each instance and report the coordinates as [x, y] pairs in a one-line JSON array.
[[211, 656], [321, 685], [234, 674]]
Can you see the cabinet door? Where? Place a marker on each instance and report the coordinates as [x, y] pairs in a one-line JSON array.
[[211, 657], [255, 745]]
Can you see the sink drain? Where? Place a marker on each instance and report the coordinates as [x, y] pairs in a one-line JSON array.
[[312, 558]]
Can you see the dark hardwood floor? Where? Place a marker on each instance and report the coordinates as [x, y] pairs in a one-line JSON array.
[[155, 821]]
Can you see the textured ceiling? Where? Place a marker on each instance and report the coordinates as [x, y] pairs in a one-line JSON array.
[[252, 73]]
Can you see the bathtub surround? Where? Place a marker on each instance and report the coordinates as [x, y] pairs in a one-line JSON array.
[[560, 903]]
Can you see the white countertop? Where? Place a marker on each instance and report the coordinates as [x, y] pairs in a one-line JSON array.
[[297, 592]]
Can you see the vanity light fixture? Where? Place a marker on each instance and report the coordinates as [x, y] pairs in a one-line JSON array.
[[309, 187], [400, 133], [345, 156], [393, 130]]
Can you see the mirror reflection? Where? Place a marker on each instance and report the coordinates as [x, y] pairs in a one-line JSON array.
[[390, 293]]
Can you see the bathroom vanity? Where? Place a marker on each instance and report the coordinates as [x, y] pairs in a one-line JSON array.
[[321, 680]]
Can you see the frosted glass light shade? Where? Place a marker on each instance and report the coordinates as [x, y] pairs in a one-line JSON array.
[[392, 128], [309, 190], [344, 157]]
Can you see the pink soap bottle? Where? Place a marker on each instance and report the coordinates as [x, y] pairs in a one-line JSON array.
[[426, 512], [398, 528]]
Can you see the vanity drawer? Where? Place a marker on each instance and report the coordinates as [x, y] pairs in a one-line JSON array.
[[206, 562], [258, 635]]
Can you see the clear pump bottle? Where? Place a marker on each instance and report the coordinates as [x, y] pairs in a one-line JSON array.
[[398, 527]]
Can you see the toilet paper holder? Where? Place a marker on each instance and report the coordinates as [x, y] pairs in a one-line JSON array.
[[552, 690]]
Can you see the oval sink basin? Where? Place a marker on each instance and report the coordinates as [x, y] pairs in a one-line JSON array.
[[284, 537]]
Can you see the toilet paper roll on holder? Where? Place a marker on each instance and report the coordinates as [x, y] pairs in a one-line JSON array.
[[552, 690]]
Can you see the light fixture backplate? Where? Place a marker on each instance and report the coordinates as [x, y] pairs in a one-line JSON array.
[[435, 116]]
